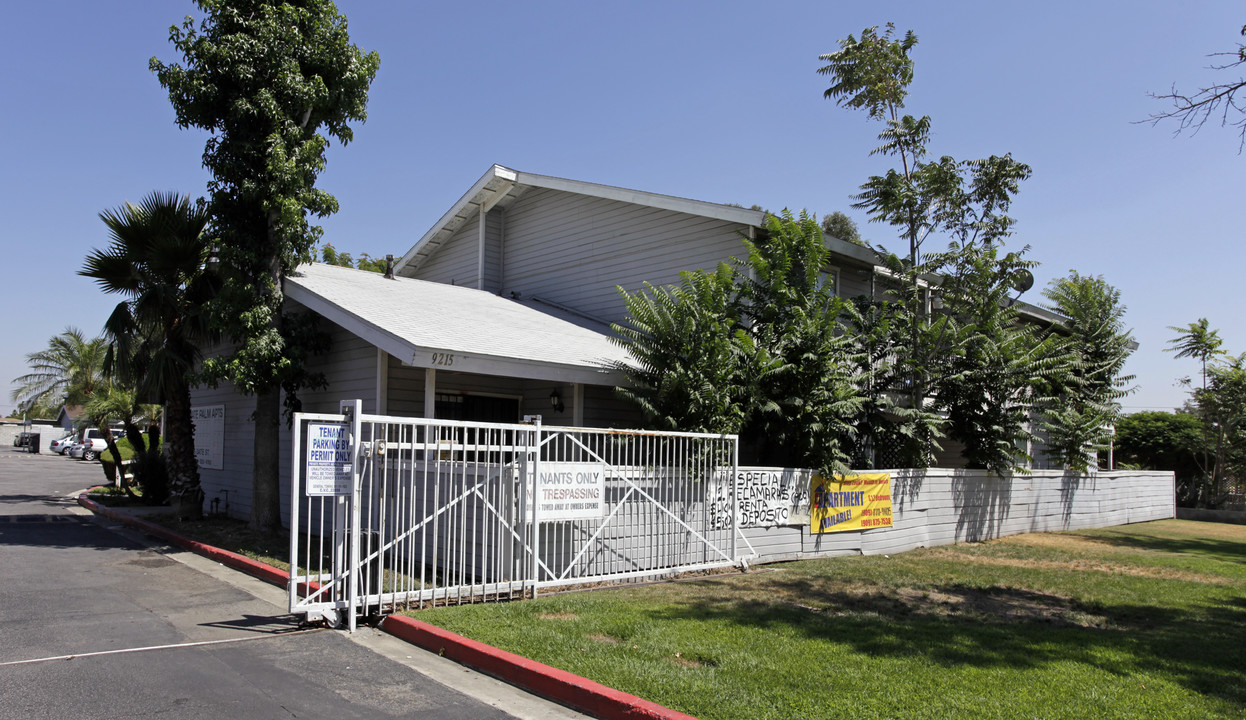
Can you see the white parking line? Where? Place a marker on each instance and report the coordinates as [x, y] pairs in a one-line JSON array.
[[153, 647]]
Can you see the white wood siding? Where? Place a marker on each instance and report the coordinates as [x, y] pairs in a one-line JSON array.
[[575, 249], [455, 262], [854, 282], [350, 367]]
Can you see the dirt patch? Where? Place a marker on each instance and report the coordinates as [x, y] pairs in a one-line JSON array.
[[692, 662], [987, 604], [1098, 566], [557, 616], [604, 639]]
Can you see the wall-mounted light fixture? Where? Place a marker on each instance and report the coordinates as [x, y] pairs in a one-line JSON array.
[[555, 401]]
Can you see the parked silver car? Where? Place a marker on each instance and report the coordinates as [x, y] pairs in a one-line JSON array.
[[61, 446]]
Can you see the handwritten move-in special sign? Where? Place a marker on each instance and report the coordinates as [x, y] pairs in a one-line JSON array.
[[849, 502]]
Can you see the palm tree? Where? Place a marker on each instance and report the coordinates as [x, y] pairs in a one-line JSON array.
[[68, 371], [156, 260]]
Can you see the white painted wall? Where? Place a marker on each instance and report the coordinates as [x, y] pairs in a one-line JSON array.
[[946, 506]]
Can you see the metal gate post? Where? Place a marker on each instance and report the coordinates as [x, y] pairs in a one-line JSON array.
[[353, 409], [295, 495], [735, 497], [536, 502]]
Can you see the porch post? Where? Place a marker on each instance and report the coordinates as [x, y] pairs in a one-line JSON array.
[[430, 392]]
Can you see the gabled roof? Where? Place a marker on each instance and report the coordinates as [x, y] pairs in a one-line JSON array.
[[71, 412], [500, 187], [434, 325]]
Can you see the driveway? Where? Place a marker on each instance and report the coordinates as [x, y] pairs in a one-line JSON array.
[[99, 622]]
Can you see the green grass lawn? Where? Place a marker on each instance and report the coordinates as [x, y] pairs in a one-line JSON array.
[[1140, 621]]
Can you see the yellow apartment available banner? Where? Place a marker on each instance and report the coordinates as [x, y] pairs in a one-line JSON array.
[[849, 502]]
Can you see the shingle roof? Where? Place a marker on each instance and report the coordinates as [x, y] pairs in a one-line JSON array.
[[429, 324]]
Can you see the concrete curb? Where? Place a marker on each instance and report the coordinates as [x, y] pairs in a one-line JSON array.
[[574, 691]]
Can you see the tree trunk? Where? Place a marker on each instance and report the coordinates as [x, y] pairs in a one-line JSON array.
[[185, 494], [266, 482], [265, 479]]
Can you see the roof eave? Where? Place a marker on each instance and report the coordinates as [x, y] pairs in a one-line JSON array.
[[421, 356]]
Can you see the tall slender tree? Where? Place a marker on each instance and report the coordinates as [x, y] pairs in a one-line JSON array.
[[271, 82], [954, 356], [1086, 405], [156, 260], [1199, 341]]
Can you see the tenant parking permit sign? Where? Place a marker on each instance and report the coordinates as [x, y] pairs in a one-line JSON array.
[[329, 465]]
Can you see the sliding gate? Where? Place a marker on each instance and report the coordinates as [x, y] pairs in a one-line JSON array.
[[395, 512]]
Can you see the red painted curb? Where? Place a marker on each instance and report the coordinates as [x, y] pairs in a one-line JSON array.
[[578, 693]]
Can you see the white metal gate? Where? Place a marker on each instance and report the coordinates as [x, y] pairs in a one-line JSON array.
[[397, 512]]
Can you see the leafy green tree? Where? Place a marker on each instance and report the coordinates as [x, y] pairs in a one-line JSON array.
[[69, 370], [271, 82], [1220, 100], [1222, 406], [757, 351], [156, 260], [330, 256], [1000, 368], [1163, 441], [804, 392], [1085, 406], [689, 353], [843, 227]]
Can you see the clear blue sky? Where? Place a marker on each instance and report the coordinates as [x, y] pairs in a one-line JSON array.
[[716, 101]]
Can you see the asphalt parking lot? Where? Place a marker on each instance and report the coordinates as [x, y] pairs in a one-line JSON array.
[[100, 622]]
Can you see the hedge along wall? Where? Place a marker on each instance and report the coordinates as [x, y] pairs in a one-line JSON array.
[[945, 506]]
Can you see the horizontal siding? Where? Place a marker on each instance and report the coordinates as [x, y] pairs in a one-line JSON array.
[[943, 507], [406, 390], [230, 485], [350, 366], [575, 249], [854, 283], [495, 222], [456, 261], [603, 408]]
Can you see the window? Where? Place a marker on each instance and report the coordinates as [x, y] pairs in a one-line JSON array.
[[476, 408]]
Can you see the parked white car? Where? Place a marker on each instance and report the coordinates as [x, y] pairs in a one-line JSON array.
[[92, 444], [61, 446]]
